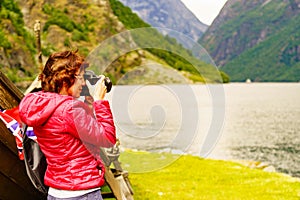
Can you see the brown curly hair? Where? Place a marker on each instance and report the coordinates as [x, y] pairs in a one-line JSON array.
[[60, 69]]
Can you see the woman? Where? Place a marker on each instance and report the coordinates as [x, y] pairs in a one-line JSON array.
[[68, 131]]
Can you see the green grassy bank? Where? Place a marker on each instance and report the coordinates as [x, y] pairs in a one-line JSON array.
[[189, 177]]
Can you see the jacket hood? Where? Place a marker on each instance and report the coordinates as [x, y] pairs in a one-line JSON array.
[[36, 108]]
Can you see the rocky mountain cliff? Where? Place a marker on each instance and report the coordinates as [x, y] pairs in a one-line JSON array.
[[169, 14], [257, 39]]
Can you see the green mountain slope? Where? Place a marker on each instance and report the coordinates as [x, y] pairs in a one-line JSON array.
[[83, 25], [261, 42], [17, 47], [65, 25], [275, 59]]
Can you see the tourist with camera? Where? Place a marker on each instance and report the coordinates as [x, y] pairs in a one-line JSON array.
[[68, 131]]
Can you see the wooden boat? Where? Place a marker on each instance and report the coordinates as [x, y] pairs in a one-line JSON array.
[[14, 183]]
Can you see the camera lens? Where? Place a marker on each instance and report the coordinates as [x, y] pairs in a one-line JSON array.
[[108, 84]]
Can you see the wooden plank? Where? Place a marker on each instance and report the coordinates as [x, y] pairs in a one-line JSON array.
[[7, 138], [10, 190], [9, 93], [125, 191], [112, 183]]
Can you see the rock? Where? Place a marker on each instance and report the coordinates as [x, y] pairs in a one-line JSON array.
[[257, 165]]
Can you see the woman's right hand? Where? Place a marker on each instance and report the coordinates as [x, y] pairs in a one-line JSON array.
[[98, 90]]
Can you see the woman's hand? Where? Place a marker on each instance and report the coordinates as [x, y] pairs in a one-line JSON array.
[[98, 90]]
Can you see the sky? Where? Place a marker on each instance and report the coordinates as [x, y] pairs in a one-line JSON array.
[[205, 10]]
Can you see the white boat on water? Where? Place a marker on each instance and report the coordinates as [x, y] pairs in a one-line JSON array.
[[248, 80]]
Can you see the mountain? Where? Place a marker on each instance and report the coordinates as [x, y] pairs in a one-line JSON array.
[[98, 29], [259, 40], [169, 14], [64, 25]]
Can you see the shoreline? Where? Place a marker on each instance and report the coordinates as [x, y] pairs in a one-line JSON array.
[[263, 166]]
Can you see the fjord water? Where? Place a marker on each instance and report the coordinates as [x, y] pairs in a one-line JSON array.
[[256, 121], [262, 124]]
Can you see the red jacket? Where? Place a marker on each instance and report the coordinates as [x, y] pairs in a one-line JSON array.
[[68, 134]]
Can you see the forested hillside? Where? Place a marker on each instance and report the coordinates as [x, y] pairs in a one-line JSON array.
[[81, 25], [259, 40]]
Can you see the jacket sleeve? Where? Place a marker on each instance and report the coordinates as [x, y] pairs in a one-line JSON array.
[[98, 130]]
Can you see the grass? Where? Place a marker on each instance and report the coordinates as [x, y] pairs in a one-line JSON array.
[[167, 176]]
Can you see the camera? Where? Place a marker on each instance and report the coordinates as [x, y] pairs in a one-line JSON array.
[[93, 78]]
